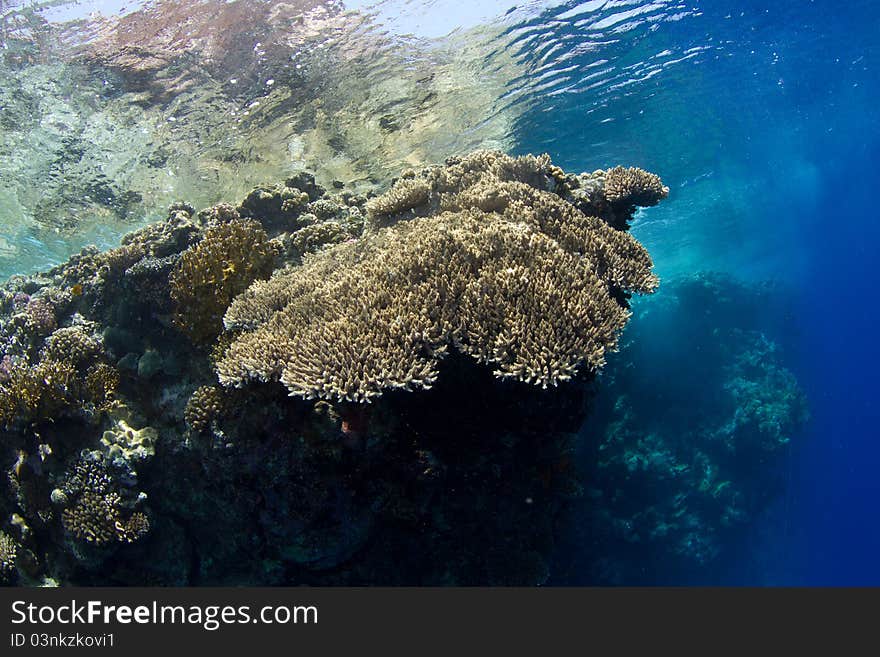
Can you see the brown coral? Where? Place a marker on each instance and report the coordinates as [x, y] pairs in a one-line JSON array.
[[172, 235], [72, 344], [100, 384], [633, 186], [210, 274], [512, 275], [40, 316], [316, 236], [425, 193], [95, 515], [40, 391], [205, 406], [218, 214], [276, 206], [53, 387], [8, 407]]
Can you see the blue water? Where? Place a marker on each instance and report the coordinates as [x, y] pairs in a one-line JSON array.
[[769, 137]]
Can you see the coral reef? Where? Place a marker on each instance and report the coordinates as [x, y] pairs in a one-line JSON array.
[[40, 316], [205, 406], [127, 444], [100, 384], [471, 303], [39, 391], [71, 344], [633, 186]]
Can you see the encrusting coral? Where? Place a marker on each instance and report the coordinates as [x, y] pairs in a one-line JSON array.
[[479, 256], [210, 274], [127, 443]]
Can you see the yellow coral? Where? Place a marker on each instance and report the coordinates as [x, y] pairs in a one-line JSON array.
[[126, 442], [210, 274], [39, 391]]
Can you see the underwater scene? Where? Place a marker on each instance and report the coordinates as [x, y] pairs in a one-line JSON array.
[[422, 292]]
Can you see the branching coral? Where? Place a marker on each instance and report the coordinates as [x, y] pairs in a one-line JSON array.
[[8, 552], [100, 384], [95, 514], [218, 214], [39, 391], [73, 345], [633, 186], [437, 188], [210, 274], [496, 268], [312, 238], [40, 316], [205, 406]]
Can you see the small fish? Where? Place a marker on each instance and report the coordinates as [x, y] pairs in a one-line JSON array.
[[76, 290]]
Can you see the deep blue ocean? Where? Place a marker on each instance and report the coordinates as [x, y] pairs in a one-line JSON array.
[[763, 119], [770, 142]]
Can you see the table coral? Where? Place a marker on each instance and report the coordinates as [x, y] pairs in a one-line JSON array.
[[483, 259]]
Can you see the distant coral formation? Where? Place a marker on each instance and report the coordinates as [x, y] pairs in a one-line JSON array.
[[699, 451], [478, 256]]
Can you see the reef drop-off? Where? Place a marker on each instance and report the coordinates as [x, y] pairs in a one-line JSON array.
[[314, 388]]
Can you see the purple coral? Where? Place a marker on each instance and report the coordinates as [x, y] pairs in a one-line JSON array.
[[20, 300], [6, 367], [40, 316]]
